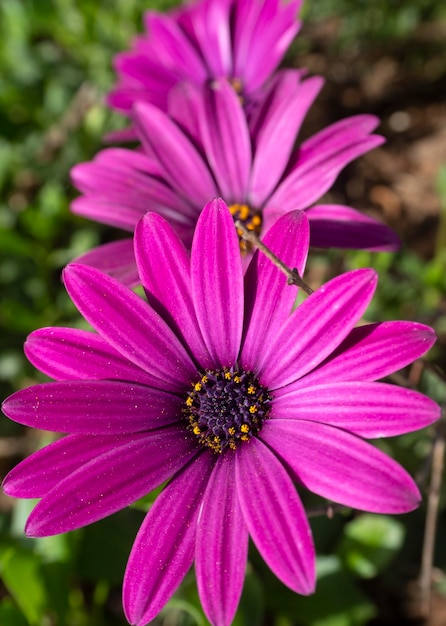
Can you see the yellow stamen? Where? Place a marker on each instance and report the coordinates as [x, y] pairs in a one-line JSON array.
[[244, 428], [189, 401], [253, 408], [251, 389], [198, 386]]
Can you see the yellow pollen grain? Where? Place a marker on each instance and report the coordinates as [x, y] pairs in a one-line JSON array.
[[253, 408], [189, 401], [256, 221], [244, 212], [237, 379], [197, 430], [244, 438], [251, 389], [244, 428], [216, 439], [198, 386], [231, 430], [228, 375], [204, 379]]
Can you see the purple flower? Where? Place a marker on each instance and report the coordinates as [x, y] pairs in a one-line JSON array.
[[241, 40], [207, 147], [214, 384]]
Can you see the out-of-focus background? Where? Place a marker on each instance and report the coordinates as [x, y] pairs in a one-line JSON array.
[[386, 57]]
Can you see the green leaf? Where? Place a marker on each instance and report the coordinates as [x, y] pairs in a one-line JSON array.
[[337, 600], [22, 576], [369, 544], [10, 615]]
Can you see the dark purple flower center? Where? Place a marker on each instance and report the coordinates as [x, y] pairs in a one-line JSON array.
[[251, 219], [226, 407]]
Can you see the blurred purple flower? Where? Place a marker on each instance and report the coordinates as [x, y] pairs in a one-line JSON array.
[[216, 386], [241, 40], [206, 147]]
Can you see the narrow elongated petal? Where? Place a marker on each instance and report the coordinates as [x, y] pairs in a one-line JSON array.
[[115, 167], [369, 410], [173, 49], [341, 467], [92, 407], [373, 351], [164, 547], [334, 138], [268, 298], [217, 283], [111, 482], [310, 179], [164, 268], [183, 167], [115, 258], [36, 475], [281, 117], [315, 164], [316, 327], [343, 227], [226, 140], [73, 354], [222, 546], [142, 78], [262, 33], [130, 325], [106, 211], [275, 517], [208, 26]]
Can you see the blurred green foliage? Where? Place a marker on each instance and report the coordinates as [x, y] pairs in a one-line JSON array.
[[55, 67]]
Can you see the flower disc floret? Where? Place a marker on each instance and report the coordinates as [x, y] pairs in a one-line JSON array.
[[226, 407], [251, 219]]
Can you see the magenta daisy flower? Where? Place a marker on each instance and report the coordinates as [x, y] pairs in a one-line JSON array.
[[215, 386], [207, 147], [241, 40]]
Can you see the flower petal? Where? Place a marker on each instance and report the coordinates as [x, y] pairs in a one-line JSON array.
[[262, 33], [268, 298], [369, 410], [207, 23], [164, 268], [99, 407], [316, 328], [111, 481], [275, 517], [373, 351], [164, 547], [222, 546], [182, 166], [72, 354], [217, 283], [226, 141], [341, 467], [281, 115], [173, 49], [115, 258], [343, 227], [129, 325], [39, 473], [318, 161]]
